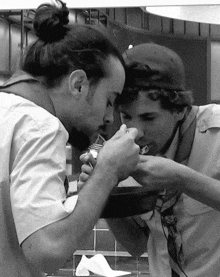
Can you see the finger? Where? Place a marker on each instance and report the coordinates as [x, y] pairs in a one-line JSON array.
[[133, 132], [85, 168], [122, 130], [92, 160], [80, 185], [144, 158], [84, 158], [140, 167], [83, 177], [87, 158]]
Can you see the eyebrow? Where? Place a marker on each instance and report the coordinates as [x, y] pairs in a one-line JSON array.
[[148, 113], [140, 115]]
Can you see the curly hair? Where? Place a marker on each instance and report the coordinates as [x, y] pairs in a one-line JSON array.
[[171, 100]]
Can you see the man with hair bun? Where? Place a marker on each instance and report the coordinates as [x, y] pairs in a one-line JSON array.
[[66, 89], [181, 235]]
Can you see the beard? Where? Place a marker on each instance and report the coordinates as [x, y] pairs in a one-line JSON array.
[[79, 139], [82, 140]]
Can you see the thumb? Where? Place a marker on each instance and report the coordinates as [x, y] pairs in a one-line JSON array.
[[144, 158], [133, 132], [121, 131], [123, 127]]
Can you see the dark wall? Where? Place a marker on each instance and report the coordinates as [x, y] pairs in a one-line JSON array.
[[192, 51]]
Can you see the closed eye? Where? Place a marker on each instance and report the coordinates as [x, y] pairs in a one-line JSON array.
[[147, 117]]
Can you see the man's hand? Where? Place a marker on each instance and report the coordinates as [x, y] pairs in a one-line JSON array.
[[86, 169], [119, 155], [157, 173]]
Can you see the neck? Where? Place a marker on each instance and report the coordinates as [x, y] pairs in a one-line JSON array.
[[167, 145]]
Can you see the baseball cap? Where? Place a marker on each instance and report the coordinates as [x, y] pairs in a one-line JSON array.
[[153, 65]]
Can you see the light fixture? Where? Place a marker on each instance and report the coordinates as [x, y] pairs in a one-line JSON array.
[[33, 4], [203, 14]]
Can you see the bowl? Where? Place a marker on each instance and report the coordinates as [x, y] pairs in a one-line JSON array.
[[129, 201]]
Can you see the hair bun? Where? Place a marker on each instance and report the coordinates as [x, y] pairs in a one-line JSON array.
[[49, 22]]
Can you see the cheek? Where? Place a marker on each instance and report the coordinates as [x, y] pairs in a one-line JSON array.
[[160, 130], [165, 131], [99, 111]]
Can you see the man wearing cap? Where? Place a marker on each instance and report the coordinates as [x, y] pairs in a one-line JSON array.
[[181, 235]]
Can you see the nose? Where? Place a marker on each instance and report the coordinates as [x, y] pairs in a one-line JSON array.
[[140, 133], [138, 126], [109, 115]]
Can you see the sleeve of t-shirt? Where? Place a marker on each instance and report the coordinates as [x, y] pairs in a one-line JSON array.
[[38, 196]]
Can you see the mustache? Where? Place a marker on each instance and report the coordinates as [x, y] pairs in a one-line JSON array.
[[78, 139]]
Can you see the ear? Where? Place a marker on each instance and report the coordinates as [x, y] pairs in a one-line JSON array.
[[180, 115], [77, 79]]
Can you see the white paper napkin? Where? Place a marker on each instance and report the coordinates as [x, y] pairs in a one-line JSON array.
[[97, 265]]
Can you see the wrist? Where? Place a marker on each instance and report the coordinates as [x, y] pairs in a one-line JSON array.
[[105, 175], [183, 174]]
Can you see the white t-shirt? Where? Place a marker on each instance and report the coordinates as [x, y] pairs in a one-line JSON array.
[[198, 223], [32, 173]]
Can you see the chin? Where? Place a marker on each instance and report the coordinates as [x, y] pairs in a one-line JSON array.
[[79, 139]]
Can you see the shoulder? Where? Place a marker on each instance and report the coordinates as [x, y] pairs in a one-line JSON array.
[[20, 112], [208, 116], [208, 110]]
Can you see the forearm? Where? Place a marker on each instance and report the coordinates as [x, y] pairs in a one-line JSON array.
[[200, 187], [52, 245], [157, 173], [129, 234]]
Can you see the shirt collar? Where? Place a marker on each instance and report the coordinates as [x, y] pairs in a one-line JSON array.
[[171, 151]]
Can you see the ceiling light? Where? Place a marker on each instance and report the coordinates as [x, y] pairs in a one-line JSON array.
[[33, 4], [202, 14]]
